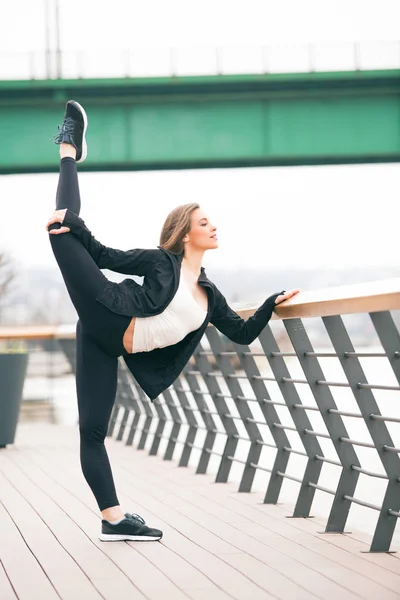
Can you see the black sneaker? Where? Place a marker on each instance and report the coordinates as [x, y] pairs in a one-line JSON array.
[[73, 129], [133, 527]]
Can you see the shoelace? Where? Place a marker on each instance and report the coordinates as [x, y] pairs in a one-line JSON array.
[[135, 517], [66, 128]]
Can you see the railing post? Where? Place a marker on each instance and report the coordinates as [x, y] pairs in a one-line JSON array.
[[124, 399], [334, 424], [202, 364], [162, 420], [115, 410], [191, 420], [149, 417], [301, 422], [176, 427], [220, 405], [125, 402], [271, 416], [134, 390], [377, 428], [242, 407], [389, 337]]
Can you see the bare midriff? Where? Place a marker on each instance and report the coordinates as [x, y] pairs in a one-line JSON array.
[[127, 340]]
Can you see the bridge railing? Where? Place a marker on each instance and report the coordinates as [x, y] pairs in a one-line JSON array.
[[277, 414], [201, 60], [311, 409]]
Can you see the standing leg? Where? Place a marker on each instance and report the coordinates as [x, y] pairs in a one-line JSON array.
[[96, 384]]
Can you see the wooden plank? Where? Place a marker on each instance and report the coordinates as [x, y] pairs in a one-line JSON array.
[[212, 571], [151, 574], [6, 589], [276, 511], [40, 332], [23, 570], [267, 577], [215, 568], [309, 575], [349, 549], [63, 571], [323, 583], [217, 543], [309, 535], [369, 296], [37, 332], [192, 531], [231, 575], [106, 575], [356, 580], [260, 572], [357, 543], [205, 595]]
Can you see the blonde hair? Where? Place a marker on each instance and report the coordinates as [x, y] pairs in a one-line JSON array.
[[176, 226]]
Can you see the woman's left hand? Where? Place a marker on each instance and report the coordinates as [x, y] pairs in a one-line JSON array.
[[57, 217], [287, 295]]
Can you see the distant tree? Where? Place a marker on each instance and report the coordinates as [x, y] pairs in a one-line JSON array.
[[7, 276]]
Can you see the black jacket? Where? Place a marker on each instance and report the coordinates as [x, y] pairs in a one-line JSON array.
[[156, 370]]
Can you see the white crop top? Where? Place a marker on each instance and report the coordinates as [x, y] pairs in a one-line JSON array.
[[182, 315]]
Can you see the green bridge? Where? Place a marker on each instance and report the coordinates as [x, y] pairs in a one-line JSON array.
[[208, 121]]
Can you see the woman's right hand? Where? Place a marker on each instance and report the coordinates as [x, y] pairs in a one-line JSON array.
[[57, 217], [286, 295]]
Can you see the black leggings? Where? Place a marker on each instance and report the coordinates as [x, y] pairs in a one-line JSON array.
[[99, 334]]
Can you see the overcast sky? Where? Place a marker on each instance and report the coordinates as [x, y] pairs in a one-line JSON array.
[[91, 24], [272, 217]]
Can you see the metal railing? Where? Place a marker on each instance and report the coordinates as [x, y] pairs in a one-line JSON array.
[[246, 401], [200, 60], [321, 416]]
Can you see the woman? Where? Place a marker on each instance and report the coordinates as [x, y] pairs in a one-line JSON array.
[[155, 326]]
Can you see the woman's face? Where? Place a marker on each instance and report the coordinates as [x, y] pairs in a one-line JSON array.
[[203, 233]]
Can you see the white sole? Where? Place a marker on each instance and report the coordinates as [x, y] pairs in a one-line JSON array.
[[85, 124], [104, 537]]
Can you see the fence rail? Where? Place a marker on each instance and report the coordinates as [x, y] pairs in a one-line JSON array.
[[200, 60], [274, 413]]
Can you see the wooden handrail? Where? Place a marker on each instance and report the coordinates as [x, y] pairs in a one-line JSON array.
[[371, 296], [37, 332]]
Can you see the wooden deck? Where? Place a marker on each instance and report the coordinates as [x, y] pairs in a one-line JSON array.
[[218, 544]]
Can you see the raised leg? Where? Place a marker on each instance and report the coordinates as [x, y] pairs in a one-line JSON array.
[[83, 278], [84, 282], [68, 195]]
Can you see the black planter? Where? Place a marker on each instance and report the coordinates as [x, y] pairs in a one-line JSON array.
[[12, 377]]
